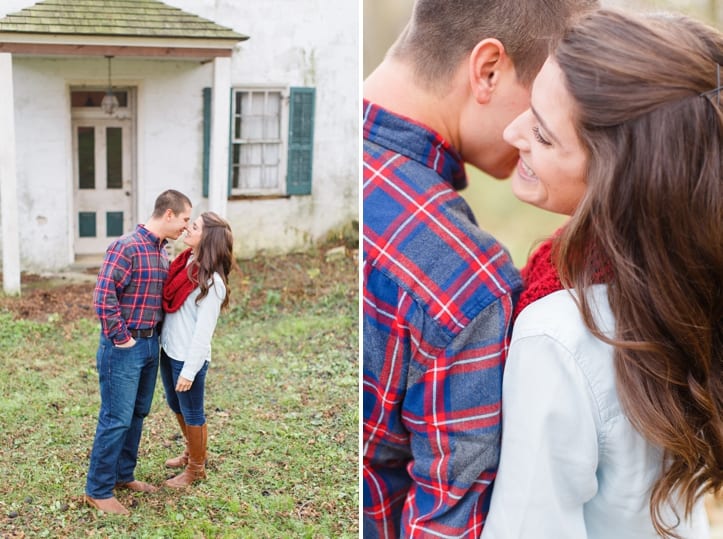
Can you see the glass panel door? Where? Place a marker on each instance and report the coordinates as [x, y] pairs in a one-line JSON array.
[[103, 184]]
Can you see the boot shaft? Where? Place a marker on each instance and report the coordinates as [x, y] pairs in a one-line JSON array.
[[197, 437], [181, 460]]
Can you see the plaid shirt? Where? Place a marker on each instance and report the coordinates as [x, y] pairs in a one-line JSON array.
[[130, 284], [438, 298]]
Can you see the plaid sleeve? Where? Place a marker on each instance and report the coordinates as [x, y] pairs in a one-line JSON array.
[[446, 405], [438, 295], [452, 412], [113, 277]]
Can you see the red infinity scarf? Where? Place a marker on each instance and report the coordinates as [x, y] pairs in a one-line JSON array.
[[178, 286], [539, 276]]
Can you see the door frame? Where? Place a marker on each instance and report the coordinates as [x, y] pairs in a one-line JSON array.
[[79, 114]]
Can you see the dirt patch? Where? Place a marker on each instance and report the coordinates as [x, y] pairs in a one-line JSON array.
[[286, 280], [43, 297]]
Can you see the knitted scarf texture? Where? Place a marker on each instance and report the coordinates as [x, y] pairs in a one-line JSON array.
[[178, 286], [539, 276]]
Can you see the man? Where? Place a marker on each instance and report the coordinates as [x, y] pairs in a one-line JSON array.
[[439, 292], [127, 299]]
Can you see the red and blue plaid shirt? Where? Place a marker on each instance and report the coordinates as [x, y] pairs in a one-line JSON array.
[[129, 289], [438, 299]]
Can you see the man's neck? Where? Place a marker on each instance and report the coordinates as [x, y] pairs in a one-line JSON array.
[[392, 86], [155, 227]]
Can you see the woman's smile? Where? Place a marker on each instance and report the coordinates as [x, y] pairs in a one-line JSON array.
[[525, 172]]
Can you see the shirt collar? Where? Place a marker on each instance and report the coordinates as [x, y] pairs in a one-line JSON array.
[[415, 141], [150, 236]]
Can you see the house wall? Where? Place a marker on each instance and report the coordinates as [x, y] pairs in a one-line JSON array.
[[167, 137], [292, 43], [299, 43], [42, 140]]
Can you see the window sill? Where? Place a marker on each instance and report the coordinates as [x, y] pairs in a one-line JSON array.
[[275, 196]]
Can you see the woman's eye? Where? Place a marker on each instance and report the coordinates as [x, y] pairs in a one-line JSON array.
[[539, 138]]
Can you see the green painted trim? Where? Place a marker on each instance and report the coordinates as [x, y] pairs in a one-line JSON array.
[[86, 224], [230, 145], [113, 223], [299, 167], [206, 138]]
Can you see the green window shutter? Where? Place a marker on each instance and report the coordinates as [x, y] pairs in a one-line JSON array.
[[301, 141], [230, 145], [206, 138]]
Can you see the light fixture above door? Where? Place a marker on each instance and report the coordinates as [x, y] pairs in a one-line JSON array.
[[110, 101]]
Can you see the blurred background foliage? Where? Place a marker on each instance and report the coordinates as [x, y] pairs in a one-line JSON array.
[[517, 225]]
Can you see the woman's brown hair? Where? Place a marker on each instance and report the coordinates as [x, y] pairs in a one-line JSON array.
[[650, 118], [214, 254]]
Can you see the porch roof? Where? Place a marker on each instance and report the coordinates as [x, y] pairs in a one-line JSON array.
[[116, 27]]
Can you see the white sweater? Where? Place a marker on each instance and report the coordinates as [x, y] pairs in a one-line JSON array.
[[186, 334], [572, 466]]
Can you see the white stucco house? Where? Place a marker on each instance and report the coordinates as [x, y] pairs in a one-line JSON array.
[[249, 108]]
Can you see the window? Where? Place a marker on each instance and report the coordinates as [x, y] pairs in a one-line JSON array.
[[271, 141], [256, 145]]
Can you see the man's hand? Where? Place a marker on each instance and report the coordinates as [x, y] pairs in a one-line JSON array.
[[128, 344], [183, 384]]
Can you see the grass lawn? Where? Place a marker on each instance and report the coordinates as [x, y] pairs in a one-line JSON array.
[[281, 406]]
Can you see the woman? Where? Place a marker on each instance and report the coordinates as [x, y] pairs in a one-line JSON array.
[[613, 389], [194, 294]]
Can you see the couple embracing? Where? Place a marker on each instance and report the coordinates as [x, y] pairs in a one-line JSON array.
[[584, 398], [148, 307]]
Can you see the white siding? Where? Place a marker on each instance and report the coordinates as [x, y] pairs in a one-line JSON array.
[[168, 142], [292, 43], [299, 43]]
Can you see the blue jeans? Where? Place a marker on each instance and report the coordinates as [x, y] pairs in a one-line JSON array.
[[187, 403], [127, 379]]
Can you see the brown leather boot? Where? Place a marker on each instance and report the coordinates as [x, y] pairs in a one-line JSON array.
[[196, 467], [109, 505], [181, 460]]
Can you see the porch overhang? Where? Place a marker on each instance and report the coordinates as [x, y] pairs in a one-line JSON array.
[[46, 45], [114, 27]]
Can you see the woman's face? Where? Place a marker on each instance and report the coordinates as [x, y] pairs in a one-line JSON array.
[[551, 171], [193, 236]]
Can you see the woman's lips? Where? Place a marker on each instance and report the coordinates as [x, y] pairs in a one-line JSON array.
[[525, 172]]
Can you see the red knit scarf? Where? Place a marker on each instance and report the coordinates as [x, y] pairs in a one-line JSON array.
[[539, 276], [178, 286]]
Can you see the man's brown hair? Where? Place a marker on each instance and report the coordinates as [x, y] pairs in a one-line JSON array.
[[171, 200], [441, 33]]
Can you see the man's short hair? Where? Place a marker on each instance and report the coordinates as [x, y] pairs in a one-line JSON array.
[[441, 33], [172, 200]]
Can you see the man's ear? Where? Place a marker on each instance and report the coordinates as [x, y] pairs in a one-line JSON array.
[[168, 214], [485, 62]]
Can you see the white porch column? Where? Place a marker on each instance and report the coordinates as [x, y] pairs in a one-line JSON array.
[[8, 180], [220, 118]]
